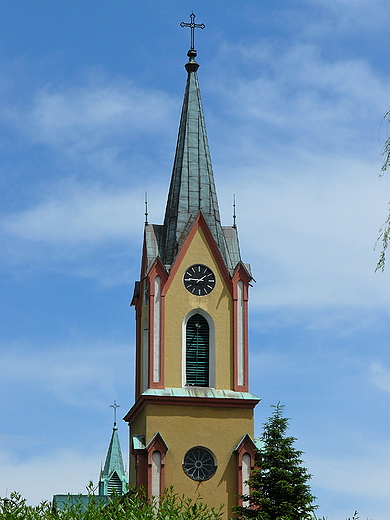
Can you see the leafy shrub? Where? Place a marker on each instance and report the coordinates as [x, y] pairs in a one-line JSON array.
[[132, 506]]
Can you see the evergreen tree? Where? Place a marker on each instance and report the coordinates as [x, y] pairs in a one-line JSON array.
[[279, 483]]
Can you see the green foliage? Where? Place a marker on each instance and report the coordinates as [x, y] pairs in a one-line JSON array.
[[279, 489], [386, 148], [384, 237], [132, 506], [354, 517], [384, 231]]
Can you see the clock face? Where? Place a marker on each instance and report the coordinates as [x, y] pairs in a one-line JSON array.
[[199, 280], [199, 464]]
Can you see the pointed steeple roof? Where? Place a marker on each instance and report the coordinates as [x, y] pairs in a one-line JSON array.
[[192, 187], [113, 476], [114, 459]]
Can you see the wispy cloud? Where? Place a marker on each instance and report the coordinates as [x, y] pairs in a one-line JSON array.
[[60, 472], [307, 129], [99, 366], [286, 100], [86, 229], [89, 215], [69, 116], [380, 376], [300, 124], [364, 478], [313, 243], [93, 127]]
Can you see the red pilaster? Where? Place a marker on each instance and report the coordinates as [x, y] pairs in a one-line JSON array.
[[246, 446], [240, 274]]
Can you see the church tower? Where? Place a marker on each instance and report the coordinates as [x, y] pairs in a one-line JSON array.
[[191, 426], [113, 478]]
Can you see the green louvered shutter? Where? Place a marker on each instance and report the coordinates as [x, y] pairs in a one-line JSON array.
[[114, 485], [197, 351]]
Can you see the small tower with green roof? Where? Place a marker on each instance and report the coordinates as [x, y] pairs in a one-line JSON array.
[[113, 478]]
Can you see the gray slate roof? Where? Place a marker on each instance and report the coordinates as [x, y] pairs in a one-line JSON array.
[[192, 187]]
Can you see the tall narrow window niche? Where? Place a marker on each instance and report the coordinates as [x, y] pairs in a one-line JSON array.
[[197, 351], [157, 331], [246, 473], [156, 474], [240, 335]]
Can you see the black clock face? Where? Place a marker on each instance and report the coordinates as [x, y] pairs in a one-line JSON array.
[[199, 464], [199, 280]]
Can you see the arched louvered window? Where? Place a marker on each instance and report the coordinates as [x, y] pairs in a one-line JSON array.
[[197, 351], [114, 484]]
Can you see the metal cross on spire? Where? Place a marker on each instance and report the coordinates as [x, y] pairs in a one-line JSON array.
[[115, 406], [192, 25]]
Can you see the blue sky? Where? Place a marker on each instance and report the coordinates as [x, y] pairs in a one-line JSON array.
[[294, 94]]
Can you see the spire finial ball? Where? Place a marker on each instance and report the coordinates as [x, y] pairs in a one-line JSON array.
[[191, 65]]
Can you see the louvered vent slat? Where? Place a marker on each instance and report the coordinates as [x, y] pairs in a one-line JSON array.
[[197, 351]]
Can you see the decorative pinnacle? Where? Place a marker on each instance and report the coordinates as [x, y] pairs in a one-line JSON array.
[[146, 208], [234, 211], [192, 25]]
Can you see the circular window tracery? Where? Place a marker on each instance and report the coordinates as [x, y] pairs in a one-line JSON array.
[[199, 464]]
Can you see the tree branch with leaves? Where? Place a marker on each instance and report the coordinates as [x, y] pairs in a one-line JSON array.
[[384, 231]]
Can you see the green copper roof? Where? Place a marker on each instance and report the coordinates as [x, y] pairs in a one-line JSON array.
[[113, 475], [114, 459], [192, 187], [139, 442], [200, 391], [259, 443], [79, 502]]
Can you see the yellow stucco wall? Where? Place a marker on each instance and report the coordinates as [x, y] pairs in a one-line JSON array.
[[182, 428], [218, 304]]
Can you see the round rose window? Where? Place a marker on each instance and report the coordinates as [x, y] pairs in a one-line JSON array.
[[199, 464]]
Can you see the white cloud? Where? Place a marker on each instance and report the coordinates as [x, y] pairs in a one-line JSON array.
[[91, 129], [79, 216], [313, 240], [303, 100], [380, 376], [305, 135], [348, 475], [89, 231], [73, 373], [313, 195], [41, 477], [345, 18], [360, 482], [75, 116]]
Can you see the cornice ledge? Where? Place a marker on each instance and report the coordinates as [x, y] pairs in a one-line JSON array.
[[192, 396]]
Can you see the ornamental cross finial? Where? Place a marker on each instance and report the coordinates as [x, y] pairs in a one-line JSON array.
[[115, 406], [192, 25]]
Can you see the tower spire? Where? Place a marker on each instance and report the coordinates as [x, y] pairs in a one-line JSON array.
[[192, 188], [113, 478]]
